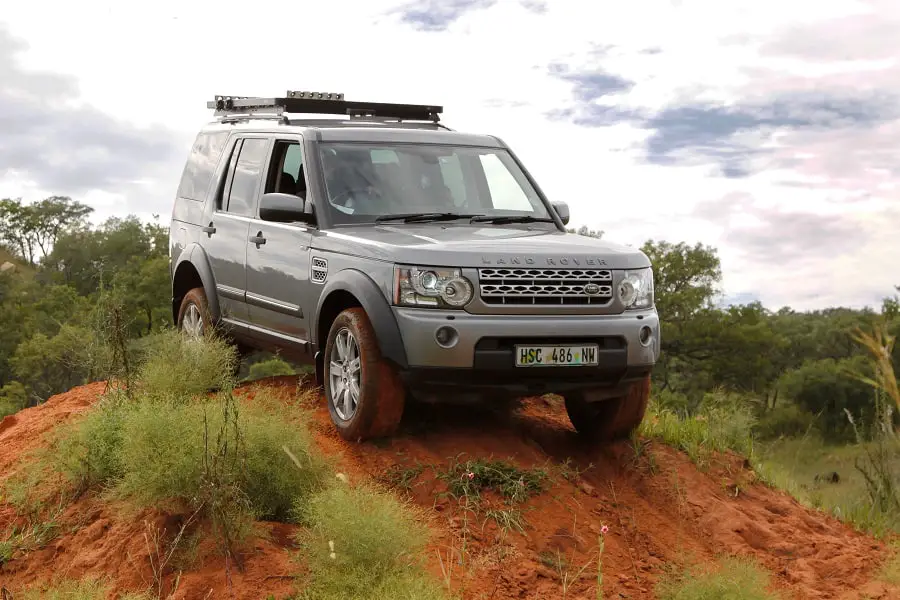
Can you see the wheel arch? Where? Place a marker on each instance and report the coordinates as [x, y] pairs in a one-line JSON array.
[[193, 270], [351, 288]]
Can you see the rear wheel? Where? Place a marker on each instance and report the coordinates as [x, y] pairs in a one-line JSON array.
[[364, 393], [193, 315], [612, 419]]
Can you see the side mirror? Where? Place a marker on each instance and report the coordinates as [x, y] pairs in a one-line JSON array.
[[285, 208], [562, 209]]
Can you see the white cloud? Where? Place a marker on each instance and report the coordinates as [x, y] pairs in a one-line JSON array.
[[158, 65]]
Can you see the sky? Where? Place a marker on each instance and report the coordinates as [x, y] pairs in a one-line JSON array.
[[769, 130]]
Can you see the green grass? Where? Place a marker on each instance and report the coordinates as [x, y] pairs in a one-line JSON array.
[[362, 542], [793, 464], [713, 429], [74, 590], [732, 579], [171, 443], [471, 478], [890, 572]]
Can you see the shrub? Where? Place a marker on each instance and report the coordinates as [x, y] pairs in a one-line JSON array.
[[363, 543], [89, 451], [166, 455], [13, 398], [785, 420], [178, 368], [272, 367]]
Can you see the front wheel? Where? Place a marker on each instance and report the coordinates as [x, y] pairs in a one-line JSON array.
[[613, 419], [364, 393]]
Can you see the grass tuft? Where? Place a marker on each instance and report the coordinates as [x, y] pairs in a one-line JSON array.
[[469, 479], [890, 572], [732, 579], [74, 590], [719, 425], [362, 542], [177, 367]]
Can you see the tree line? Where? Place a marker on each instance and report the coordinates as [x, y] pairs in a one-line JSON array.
[[791, 367]]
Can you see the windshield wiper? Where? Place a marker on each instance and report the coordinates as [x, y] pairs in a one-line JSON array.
[[421, 217], [511, 219]]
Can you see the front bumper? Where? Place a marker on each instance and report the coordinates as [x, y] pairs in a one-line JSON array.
[[483, 356]]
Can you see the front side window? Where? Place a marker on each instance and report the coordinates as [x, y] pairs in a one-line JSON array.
[[364, 181]]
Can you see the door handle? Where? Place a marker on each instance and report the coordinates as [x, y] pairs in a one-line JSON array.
[[258, 239], [209, 229]]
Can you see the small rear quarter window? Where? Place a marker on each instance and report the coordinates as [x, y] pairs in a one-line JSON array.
[[201, 164]]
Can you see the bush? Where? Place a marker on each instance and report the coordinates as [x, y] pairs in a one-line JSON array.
[[168, 441], [13, 398], [785, 420], [166, 448], [176, 367], [821, 386], [51, 365], [272, 367], [90, 450], [363, 543]]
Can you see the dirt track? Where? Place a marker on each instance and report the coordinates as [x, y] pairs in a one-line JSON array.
[[660, 510]]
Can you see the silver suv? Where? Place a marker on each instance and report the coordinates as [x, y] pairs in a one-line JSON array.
[[404, 260]]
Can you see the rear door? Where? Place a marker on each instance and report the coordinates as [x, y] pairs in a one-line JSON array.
[[278, 260], [227, 231]]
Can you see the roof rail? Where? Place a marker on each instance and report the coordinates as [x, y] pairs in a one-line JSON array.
[[320, 103]]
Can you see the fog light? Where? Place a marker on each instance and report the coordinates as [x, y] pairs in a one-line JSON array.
[[646, 335], [446, 337]]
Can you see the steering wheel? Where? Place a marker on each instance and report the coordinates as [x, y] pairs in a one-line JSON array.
[[350, 191]]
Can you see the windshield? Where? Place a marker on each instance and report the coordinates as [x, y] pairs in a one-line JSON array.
[[366, 181]]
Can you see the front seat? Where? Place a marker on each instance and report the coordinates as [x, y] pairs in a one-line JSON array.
[[287, 185]]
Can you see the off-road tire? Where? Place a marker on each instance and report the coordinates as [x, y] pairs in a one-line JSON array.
[[381, 393], [195, 297], [613, 419]]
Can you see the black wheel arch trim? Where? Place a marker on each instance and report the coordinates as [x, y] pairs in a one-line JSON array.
[[367, 292], [195, 255]]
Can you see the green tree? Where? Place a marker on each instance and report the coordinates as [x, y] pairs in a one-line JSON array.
[[685, 280], [32, 230], [823, 388]]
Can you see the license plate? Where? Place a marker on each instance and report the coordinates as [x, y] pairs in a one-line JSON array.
[[557, 356]]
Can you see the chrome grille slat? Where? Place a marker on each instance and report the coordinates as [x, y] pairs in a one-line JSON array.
[[544, 286]]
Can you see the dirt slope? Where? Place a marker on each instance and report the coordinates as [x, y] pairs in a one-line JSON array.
[[659, 507]]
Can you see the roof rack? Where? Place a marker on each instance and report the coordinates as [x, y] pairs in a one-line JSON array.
[[319, 103]]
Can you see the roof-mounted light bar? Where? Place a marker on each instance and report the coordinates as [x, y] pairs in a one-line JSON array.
[[326, 103]]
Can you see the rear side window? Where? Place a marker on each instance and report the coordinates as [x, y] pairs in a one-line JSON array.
[[201, 164], [241, 199]]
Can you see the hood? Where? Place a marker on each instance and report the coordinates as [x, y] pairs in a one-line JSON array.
[[435, 244]]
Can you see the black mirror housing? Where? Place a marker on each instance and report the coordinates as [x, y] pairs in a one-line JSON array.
[[285, 208]]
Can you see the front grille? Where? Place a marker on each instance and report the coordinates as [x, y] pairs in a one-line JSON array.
[[546, 287]]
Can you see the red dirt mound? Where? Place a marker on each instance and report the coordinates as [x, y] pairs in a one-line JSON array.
[[660, 509]]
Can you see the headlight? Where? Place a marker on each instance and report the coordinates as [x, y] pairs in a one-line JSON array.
[[636, 289], [434, 287]]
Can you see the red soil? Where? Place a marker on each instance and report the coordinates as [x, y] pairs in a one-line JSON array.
[[659, 511]]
